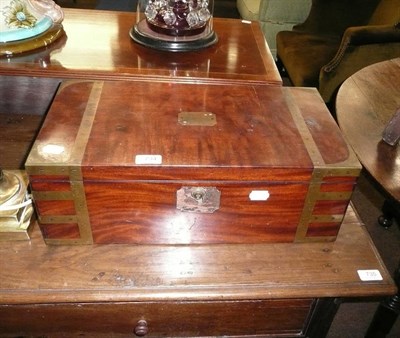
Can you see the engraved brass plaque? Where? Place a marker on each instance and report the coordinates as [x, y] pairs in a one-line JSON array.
[[198, 199], [197, 119]]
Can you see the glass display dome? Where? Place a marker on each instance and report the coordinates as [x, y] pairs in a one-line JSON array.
[[174, 25]]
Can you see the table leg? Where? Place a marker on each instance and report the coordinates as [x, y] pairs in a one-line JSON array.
[[386, 314], [322, 317], [390, 210]]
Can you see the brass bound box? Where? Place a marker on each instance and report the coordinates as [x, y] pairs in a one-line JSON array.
[[169, 163]]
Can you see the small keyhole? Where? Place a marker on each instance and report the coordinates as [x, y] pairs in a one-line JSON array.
[[198, 195]]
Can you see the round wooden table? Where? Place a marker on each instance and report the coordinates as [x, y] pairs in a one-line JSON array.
[[364, 105]]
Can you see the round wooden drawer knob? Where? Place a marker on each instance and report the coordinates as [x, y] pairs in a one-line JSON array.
[[141, 328]]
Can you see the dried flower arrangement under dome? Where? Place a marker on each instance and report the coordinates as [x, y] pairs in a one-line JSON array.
[[174, 25], [178, 17]]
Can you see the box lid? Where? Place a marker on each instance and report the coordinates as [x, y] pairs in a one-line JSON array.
[[177, 131]]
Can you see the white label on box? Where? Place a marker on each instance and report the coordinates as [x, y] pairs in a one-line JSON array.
[[259, 195], [369, 275], [148, 159]]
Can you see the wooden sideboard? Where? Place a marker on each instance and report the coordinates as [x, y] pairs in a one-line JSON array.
[[205, 290]]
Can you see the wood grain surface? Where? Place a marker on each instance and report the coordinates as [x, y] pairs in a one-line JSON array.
[[97, 45], [33, 272], [365, 104]]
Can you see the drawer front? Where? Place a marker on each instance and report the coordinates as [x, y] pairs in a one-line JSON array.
[[159, 319]]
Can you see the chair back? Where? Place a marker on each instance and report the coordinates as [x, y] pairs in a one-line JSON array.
[[386, 13], [333, 17]]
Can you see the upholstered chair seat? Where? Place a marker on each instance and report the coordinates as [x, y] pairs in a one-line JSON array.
[[304, 72]]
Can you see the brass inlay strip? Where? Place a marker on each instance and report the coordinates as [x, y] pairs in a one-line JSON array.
[[74, 171], [58, 219], [305, 133], [339, 170], [52, 195], [321, 171], [65, 241], [48, 170], [84, 131], [317, 239], [334, 196], [317, 175], [326, 218], [302, 227], [82, 212]]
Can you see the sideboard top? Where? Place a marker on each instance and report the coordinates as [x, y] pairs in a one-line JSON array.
[[97, 45]]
